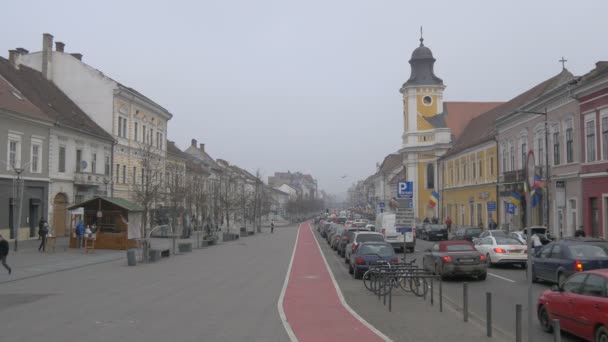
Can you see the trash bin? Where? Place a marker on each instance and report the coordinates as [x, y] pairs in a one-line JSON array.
[[131, 259]]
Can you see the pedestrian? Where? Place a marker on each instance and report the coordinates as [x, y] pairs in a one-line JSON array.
[[435, 220], [579, 233], [272, 227], [80, 233], [426, 220], [42, 233], [492, 225], [448, 223], [4, 253], [536, 243], [40, 226]]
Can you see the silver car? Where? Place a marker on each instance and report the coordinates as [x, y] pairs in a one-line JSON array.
[[358, 238]]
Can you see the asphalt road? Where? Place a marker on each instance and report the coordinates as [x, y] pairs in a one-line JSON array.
[[221, 293], [508, 285]]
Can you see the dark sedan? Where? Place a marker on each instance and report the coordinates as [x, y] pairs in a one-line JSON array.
[[455, 258], [467, 233], [435, 232], [369, 253], [558, 260]]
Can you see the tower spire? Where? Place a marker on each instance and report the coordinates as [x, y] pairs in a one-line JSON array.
[[421, 38]]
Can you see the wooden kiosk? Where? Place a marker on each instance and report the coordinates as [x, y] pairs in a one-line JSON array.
[[117, 221]]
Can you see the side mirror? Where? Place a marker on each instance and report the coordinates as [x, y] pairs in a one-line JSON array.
[[555, 288]]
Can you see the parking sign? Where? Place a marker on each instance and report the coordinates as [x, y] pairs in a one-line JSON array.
[[405, 190]]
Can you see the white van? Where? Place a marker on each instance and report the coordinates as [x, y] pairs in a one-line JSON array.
[[385, 224]]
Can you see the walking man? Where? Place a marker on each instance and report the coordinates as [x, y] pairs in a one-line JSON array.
[[80, 233], [43, 232], [4, 253], [272, 227]]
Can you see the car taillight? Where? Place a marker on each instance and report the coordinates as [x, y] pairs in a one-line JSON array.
[[578, 266], [345, 239], [499, 250], [395, 260], [447, 258], [482, 258], [360, 261]]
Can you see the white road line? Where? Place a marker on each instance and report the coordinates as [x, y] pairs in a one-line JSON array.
[[341, 296], [290, 333], [503, 278]]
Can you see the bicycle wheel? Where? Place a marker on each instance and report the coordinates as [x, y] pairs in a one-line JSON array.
[[369, 279], [418, 286], [403, 283]]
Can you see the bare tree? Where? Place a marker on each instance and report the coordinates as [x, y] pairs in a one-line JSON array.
[[175, 188]]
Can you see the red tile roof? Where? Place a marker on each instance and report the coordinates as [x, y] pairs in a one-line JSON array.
[[13, 100], [459, 114]]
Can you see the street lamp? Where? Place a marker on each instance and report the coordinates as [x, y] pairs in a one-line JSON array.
[[530, 179]]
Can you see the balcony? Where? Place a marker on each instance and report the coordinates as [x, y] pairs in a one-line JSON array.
[[514, 176], [89, 179]]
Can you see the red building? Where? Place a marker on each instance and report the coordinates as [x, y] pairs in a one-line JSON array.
[[592, 95]]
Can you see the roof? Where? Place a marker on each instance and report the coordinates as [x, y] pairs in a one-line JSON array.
[[56, 105], [422, 68], [391, 161], [175, 151], [144, 97], [121, 202], [437, 121], [13, 100], [483, 128], [459, 114]]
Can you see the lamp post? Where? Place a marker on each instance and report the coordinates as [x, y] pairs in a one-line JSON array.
[[19, 191], [530, 165]]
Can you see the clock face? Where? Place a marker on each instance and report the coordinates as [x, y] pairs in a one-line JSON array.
[[530, 168]]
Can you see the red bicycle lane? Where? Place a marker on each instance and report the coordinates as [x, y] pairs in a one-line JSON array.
[[314, 308]]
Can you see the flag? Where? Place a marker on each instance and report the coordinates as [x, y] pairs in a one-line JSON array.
[[433, 199], [536, 197], [515, 198], [538, 182]]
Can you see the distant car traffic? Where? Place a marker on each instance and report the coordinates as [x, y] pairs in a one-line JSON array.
[[558, 260], [493, 232], [433, 231], [369, 253], [466, 233], [455, 258], [502, 250], [580, 304]]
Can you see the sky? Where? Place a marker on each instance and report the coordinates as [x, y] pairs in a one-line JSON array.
[[310, 86]]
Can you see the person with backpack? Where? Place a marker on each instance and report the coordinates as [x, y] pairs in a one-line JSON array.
[[43, 231], [4, 253]]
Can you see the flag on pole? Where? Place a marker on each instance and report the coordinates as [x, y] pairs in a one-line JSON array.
[[433, 199], [515, 198]]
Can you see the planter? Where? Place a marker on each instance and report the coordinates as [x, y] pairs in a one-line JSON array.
[[184, 247]]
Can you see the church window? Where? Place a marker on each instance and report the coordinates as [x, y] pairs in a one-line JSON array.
[[427, 100], [430, 176]]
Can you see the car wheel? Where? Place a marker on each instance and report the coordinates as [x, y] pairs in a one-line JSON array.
[[523, 265], [543, 319], [561, 279], [482, 276], [488, 260], [601, 334], [350, 269]]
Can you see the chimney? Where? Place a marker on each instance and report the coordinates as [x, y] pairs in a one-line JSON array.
[[47, 48], [193, 143], [59, 46], [22, 51], [12, 57], [202, 147], [78, 56]]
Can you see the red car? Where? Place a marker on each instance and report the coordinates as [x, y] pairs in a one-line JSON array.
[[580, 305]]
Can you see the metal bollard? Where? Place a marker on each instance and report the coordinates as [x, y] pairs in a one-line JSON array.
[[465, 301], [518, 323], [557, 331], [440, 295], [390, 300], [384, 290], [432, 301], [489, 314]]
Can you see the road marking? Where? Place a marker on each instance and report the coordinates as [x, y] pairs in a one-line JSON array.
[[503, 278], [341, 296], [290, 333]]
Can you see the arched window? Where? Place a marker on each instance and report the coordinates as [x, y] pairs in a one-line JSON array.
[[430, 176]]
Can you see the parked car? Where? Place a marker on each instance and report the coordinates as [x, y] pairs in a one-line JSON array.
[[420, 229], [347, 236], [335, 239], [502, 250], [466, 233], [519, 236], [542, 232], [370, 227], [357, 239], [369, 253], [493, 232], [331, 232], [435, 232], [558, 260], [325, 229], [452, 258], [580, 304]]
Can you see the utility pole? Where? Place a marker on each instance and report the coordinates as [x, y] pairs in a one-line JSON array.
[[19, 200]]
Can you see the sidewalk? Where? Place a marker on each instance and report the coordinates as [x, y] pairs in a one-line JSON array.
[[27, 262]]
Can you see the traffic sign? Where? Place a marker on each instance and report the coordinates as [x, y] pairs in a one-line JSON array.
[[510, 208], [405, 190], [491, 206], [405, 214], [381, 204], [408, 232]]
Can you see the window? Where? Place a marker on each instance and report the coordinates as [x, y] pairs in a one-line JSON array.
[[574, 284], [605, 138], [541, 151], [107, 166], [135, 131], [122, 127], [458, 173], [157, 139], [480, 168], [569, 143], [36, 158], [452, 176], [491, 166], [13, 154], [524, 152], [512, 155], [556, 156], [590, 141], [427, 100], [61, 164], [504, 158], [124, 174], [78, 160], [471, 213], [556, 252], [117, 173], [160, 142], [430, 176], [142, 175], [134, 174], [594, 286], [474, 170], [94, 163], [143, 133], [464, 171], [150, 141]]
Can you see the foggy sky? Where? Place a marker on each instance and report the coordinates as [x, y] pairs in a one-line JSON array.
[[311, 85]]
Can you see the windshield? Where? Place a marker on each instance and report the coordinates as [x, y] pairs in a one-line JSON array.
[[507, 241], [473, 231], [437, 227], [459, 248], [498, 233], [589, 251], [382, 250], [369, 237]]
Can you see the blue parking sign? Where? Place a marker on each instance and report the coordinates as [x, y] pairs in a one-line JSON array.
[[510, 208], [405, 189]]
